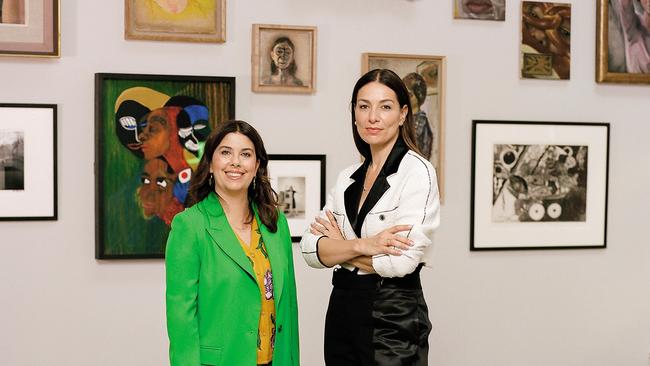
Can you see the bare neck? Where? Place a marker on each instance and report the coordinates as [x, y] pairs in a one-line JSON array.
[[380, 154], [236, 207]]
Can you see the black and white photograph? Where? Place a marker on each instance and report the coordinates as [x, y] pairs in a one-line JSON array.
[[291, 196], [539, 185], [12, 160], [28, 188], [299, 181]]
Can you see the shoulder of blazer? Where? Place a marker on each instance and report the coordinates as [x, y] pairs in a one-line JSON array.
[[414, 164]]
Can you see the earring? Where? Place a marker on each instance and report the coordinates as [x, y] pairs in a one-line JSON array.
[[253, 183], [211, 180]]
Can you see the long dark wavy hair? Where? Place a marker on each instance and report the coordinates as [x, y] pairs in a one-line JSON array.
[[390, 79], [262, 194]]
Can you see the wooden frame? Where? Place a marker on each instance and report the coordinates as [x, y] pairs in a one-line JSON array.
[[277, 41], [149, 137], [28, 171], [192, 24], [611, 63], [539, 185], [33, 31], [299, 181], [432, 69]]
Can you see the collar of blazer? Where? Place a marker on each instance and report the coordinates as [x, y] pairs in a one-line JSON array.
[[224, 237], [353, 192]]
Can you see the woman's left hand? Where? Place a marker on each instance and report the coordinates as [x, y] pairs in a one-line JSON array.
[[329, 227]]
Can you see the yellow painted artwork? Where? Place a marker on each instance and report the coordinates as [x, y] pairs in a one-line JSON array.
[[175, 16]]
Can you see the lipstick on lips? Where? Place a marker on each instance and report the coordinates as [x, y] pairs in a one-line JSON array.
[[479, 6]]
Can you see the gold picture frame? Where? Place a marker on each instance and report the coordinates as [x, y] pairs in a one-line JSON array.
[[30, 28], [283, 58], [431, 70], [612, 65], [194, 21]]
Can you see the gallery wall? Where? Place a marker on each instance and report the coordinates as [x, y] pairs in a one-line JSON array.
[[60, 306]]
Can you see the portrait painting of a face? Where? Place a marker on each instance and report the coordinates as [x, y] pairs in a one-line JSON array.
[[176, 20], [545, 40], [480, 9], [151, 131], [623, 52], [284, 59], [423, 77]]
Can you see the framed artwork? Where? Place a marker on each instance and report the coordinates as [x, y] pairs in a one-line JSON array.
[[28, 189], [424, 77], [150, 131], [480, 9], [283, 59], [539, 185], [175, 20], [30, 28], [545, 40], [299, 181], [622, 41]]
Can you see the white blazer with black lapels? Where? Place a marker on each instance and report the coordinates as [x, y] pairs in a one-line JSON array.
[[404, 193]]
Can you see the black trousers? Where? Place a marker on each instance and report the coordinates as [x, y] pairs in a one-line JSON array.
[[376, 321]]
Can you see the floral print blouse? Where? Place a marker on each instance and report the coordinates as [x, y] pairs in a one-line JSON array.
[[258, 256]]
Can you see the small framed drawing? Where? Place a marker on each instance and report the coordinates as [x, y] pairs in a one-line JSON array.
[[28, 188], [480, 9], [539, 185], [622, 38], [175, 20], [149, 136], [299, 181], [424, 77], [283, 59], [545, 40], [30, 28]]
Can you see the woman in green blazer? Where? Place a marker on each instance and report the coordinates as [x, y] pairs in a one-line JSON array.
[[231, 290]]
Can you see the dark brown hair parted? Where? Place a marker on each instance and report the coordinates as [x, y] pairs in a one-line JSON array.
[[260, 193]]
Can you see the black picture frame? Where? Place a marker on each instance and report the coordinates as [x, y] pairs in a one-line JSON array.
[[125, 226], [303, 170], [28, 162], [539, 185]]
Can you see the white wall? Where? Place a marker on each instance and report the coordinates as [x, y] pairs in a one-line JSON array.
[[59, 306]]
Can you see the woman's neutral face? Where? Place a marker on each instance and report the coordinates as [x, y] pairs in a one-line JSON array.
[[234, 164], [282, 55], [378, 114]]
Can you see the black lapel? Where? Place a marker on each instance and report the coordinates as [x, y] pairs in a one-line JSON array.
[[378, 188], [352, 194]]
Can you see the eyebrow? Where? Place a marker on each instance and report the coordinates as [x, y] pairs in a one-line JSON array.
[[228, 147], [381, 101]]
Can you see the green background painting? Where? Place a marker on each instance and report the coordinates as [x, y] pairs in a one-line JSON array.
[[122, 231]]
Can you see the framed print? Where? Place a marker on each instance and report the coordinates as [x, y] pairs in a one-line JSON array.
[[150, 131], [424, 77], [480, 9], [539, 185], [545, 40], [175, 20], [30, 28], [299, 181], [283, 59], [28, 188], [622, 41]]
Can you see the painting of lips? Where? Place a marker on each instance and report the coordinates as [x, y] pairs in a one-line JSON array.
[[480, 9], [150, 132]]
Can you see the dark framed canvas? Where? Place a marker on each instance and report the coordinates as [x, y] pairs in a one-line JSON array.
[[424, 76], [539, 185], [30, 28], [28, 188], [175, 20], [299, 181], [150, 131], [622, 41]]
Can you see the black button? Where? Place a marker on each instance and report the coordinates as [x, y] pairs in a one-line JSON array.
[[381, 217]]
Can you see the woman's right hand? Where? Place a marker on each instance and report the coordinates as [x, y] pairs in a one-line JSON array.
[[385, 242]]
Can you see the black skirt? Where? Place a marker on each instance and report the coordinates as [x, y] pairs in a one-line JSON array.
[[373, 320]]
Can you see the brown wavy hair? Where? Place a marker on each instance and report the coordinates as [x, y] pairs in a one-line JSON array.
[[262, 194], [390, 79]]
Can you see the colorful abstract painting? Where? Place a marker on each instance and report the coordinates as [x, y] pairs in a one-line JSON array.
[[150, 133]]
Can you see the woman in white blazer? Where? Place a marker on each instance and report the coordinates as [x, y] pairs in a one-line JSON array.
[[375, 228]]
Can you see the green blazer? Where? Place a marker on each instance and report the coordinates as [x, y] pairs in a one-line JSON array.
[[213, 300]]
